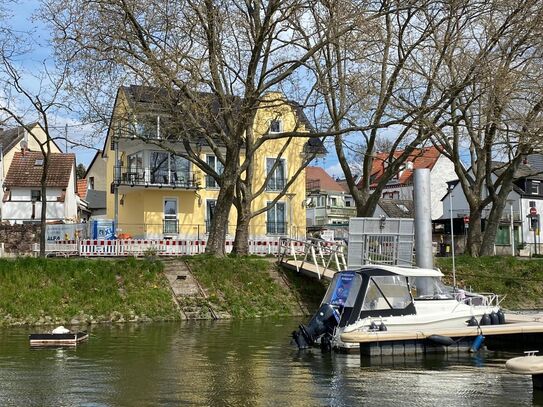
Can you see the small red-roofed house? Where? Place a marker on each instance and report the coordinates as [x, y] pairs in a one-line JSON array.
[[401, 186], [22, 188]]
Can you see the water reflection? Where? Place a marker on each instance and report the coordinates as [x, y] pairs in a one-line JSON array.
[[238, 364]]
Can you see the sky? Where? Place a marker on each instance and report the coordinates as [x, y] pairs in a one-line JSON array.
[[31, 64]]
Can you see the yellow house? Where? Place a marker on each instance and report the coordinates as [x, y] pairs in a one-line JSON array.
[[155, 194]]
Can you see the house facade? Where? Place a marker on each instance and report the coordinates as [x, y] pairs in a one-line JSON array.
[[521, 217], [327, 201], [22, 198], [400, 187], [12, 141], [157, 193]]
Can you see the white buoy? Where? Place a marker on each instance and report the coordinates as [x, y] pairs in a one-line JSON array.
[[60, 330]]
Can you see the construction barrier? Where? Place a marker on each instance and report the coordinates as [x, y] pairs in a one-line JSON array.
[[147, 247]]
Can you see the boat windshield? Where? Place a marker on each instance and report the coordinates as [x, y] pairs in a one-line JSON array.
[[343, 289], [386, 292], [429, 288]]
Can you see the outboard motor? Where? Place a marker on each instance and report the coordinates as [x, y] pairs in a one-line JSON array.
[[322, 323]]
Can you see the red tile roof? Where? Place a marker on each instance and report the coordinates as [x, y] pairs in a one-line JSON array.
[[420, 157], [82, 188], [318, 178], [26, 171]]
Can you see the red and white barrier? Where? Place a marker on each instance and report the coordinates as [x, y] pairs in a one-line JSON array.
[[166, 247]]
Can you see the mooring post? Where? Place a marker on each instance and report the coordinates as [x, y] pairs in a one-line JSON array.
[[423, 221]]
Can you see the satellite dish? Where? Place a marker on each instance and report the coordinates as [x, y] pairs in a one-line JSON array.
[[24, 145]]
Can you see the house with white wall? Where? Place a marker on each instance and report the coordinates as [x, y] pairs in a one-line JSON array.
[[525, 198], [12, 141], [22, 188], [400, 187]]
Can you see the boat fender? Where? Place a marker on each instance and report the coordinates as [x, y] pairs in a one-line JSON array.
[[501, 316], [373, 326], [382, 327], [485, 320], [494, 320], [472, 321], [477, 343], [441, 340]]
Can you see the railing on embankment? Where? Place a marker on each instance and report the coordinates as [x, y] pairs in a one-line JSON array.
[[142, 247], [316, 256]]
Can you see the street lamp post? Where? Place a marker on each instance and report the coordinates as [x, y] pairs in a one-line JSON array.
[[452, 235]]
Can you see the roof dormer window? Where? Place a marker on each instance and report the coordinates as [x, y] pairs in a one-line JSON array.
[[39, 162], [276, 126]]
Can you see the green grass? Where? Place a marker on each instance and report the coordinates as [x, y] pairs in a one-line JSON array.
[[248, 287], [62, 289], [521, 280]]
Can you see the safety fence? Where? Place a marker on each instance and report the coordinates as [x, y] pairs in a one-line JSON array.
[[148, 247]]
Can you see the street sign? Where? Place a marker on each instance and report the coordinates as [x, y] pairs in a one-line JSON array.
[[466, 220], [533, 211]]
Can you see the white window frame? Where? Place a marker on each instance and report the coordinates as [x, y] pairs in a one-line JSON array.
[[280, 121], [207, 176], [285, 222], [535, 183], [285, 170], [164, 217]]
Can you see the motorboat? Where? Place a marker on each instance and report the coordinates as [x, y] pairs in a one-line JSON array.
[[391, 299]]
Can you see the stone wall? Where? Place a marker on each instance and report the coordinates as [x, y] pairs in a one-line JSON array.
[[18, 239]]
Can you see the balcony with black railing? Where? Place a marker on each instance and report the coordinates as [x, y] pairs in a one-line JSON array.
[[156, 177]]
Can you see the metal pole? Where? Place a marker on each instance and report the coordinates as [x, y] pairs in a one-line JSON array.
[[512, 232], [452, 237], [423, 221], [117, 177]]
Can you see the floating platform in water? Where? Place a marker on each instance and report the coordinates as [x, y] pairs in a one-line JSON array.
[[63, 339], [519, 333]]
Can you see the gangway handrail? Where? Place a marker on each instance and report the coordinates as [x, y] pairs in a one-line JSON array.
[[321, 253]]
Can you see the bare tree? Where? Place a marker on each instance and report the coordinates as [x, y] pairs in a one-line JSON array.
[[23, 103], [496, 120]]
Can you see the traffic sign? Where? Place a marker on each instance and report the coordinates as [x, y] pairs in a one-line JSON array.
[[533, 211], [466, 220]]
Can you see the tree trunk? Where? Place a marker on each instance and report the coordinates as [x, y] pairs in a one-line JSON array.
[[473, 244], [219, 224], [241, 241], [43, 211]]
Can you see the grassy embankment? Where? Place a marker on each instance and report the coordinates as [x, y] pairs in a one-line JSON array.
[[65, 291], [249, 287], [69, 291], [521, 280]]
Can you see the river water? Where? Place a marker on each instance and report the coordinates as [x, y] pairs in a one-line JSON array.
[[241, 363]]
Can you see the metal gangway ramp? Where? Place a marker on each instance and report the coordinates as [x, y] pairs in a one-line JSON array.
[[313, 257]]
